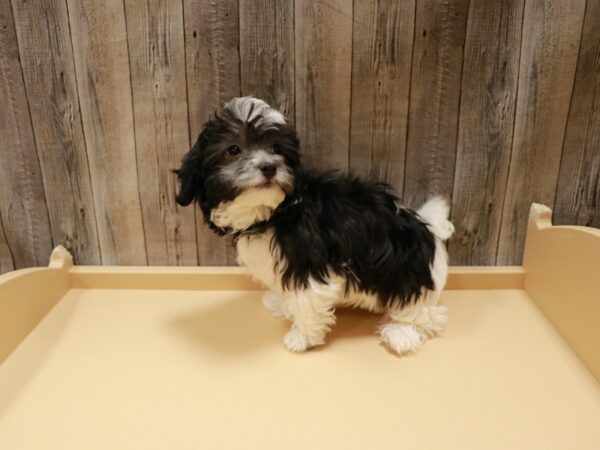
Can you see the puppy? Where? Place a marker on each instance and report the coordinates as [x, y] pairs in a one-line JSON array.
[[317, 241]]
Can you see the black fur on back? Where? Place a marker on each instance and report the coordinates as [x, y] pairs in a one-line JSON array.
[[355, 229]]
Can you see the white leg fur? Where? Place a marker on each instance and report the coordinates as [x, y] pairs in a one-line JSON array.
[[407, 328], [311, 310], [275, 304], [312, 313]]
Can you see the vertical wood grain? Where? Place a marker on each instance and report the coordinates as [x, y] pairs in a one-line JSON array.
[[213, 77], [323, 41], [47, 59], [104, 87], [267, 52], [157, 64], [487, 105], [6, 258], [22, 197], [440, 28], [578, 192], [495, 102], [382, 47], [551, 35]]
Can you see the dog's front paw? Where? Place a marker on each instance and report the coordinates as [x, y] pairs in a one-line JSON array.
[[296, 341], [401, 338]]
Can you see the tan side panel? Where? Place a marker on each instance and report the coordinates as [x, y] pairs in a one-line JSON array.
[[562, 267], [159, 278], [485, 277], [238, 278], [26, 296]]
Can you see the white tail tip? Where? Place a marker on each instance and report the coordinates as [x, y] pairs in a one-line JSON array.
[[435, 212]]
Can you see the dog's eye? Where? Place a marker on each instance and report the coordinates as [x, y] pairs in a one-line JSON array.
[[233, 150], [276, 149]]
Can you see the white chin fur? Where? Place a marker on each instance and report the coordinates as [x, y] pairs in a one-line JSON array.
[[251, 206]]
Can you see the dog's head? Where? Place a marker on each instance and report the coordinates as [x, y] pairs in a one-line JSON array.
[[243, 165]]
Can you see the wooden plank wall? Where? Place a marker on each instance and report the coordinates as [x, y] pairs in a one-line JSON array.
[[488, 93], [323, 69], [23, 201], [382, 47], [213, 76], [493, 104]]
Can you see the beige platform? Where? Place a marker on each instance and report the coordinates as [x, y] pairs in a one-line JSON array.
[[186, 358]]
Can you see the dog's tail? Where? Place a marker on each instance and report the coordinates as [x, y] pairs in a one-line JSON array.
[[435, 213]]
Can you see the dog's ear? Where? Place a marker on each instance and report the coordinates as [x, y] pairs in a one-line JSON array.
[[190, 174]]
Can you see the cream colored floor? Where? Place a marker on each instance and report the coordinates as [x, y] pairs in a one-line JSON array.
[[125, 369]]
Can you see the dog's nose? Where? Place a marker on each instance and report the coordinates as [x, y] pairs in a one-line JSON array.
[[268, 170]]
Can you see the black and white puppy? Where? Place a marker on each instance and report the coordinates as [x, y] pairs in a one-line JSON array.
[[317, 241]]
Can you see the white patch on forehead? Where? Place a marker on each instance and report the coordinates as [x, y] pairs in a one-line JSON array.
[[248, 108], [251, 206]]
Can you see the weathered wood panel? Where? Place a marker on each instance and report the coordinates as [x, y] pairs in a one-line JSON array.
[[551, 35], [103, 79], [323, 42], [440, 28], [102, 99], [157, 64], [213, 77], [382, 47], [578, 192], [22, 198], [487, 105], [44, 38], [267, 52], [6, 259]]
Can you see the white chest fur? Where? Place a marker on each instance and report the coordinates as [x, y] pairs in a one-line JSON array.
[[257, 254], [251, 206]]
